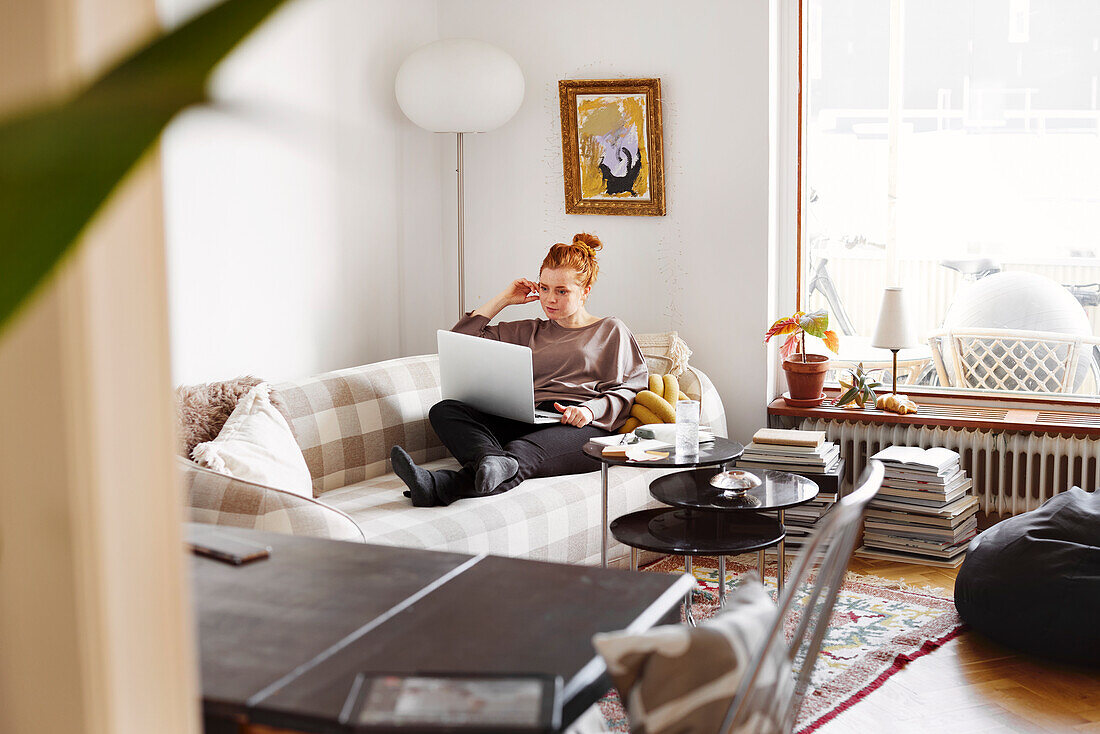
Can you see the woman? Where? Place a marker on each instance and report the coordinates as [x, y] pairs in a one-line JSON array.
[[587, 368]]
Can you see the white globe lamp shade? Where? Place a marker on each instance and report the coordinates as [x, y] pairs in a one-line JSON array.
[[894, 329], [459, 85]]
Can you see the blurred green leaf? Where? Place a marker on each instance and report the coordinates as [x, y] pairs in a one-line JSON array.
[[60, 162]]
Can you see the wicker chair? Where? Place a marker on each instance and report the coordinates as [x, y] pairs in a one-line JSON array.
[[1015, 360]]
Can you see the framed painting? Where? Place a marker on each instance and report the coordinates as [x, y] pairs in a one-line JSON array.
[[611, 146]]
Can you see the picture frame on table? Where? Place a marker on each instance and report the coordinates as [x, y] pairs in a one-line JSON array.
[[611, 140]]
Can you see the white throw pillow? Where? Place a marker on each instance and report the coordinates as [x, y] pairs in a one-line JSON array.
[[682, 679], [256, 445]]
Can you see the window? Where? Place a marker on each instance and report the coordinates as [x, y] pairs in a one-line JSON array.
[[953, 147]]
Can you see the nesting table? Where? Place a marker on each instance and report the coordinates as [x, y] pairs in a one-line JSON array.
[[713, 453], [703, 520], [709, 521]]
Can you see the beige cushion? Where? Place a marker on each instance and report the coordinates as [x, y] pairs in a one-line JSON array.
[[682, 679], [256, 445], [203, 409], [665, 352]]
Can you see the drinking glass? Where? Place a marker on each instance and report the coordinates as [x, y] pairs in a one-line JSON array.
[[687, 427]]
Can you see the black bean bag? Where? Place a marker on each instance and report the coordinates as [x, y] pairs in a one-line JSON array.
[[1032, 582]]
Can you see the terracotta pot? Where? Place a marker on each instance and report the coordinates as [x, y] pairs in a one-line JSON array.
[[805, 379]]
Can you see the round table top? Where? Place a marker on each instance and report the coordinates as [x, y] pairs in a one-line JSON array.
[[778, 490], [688, 533], [718, 451]]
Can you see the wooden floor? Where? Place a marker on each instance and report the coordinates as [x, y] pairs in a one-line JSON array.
[[971, 685]]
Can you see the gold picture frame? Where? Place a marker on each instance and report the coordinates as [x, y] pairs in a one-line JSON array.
[[611, 146]]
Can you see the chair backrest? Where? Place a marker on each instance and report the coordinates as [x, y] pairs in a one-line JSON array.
[[1011, 359], [828, 550]]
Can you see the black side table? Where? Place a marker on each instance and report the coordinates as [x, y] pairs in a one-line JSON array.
[[707, 521], [713, 453]]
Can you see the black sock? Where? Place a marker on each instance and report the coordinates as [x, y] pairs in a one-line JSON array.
[[492, 471], [419, 481]]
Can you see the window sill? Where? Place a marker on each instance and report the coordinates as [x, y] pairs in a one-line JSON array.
[[955, 414]]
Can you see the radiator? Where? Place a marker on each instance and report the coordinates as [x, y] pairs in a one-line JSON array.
[[1012, 472]]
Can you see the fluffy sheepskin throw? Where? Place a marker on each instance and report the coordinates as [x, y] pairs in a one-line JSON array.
[[202, 410]]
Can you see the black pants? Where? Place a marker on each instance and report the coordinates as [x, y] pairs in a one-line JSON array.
[[541, 450]]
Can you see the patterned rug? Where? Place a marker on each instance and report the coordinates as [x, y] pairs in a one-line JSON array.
[[878, 626]]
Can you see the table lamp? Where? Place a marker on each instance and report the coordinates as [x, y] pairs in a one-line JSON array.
[[894, 330], [459, 85]]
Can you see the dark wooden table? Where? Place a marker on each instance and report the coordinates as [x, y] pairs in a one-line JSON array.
[[282, 639]]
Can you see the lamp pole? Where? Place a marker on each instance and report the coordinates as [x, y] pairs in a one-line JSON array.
[[461, 239], [459, 85], [894, 372]]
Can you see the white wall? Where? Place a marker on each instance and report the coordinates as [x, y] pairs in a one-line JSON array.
[[302, 213], [703, 268], [324, 235]]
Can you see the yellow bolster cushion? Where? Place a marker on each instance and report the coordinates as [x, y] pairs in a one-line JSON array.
[[671, 388], [657, 405], [644, 414], [630, 425], [656, 384]]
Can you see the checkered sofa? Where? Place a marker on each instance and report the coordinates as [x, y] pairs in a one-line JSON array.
[[345, 423]]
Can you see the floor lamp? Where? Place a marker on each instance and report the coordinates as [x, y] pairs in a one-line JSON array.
[[459, 86]]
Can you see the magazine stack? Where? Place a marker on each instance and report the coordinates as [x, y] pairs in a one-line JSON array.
[[925, 512], [799, 521], [790, 450], [800, 452]]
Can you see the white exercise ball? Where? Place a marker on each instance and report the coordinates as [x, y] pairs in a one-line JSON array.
[[1024, 301]]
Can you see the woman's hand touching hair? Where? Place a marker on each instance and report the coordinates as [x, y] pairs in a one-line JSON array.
[[574, 415], [520, 291]]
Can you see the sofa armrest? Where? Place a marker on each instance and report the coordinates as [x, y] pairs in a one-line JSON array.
[[696, 385], [219, 499]]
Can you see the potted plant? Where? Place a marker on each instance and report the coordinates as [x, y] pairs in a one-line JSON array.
[[858, 389], [805, 372]]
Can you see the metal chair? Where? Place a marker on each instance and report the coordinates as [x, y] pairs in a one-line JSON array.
[[832, 543], [1012, 359]]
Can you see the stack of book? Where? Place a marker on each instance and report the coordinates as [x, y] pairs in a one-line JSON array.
[[924, 512], [790, 450], [800, 521], [801, 452]]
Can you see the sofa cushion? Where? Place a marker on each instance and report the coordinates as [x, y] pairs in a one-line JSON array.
[[665, 352], [346, 421], [551, 519], [202, 410], [256, 444]]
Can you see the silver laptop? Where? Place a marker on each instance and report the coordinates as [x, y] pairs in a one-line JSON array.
[[492, 376]]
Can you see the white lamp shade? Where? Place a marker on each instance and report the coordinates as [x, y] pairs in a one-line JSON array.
[[894, 329], [459, 85]]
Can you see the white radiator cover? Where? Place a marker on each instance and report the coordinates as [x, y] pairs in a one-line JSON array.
[[1012, 472]]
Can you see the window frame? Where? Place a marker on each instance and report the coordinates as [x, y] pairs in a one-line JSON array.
[[791, 30]]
